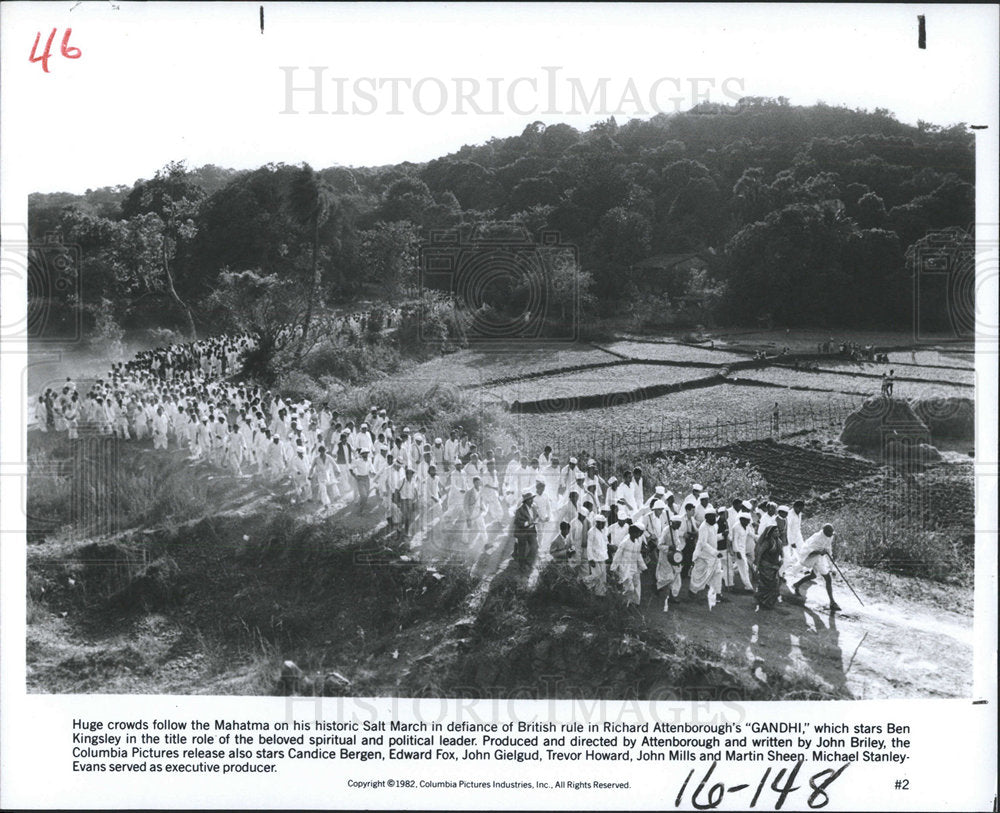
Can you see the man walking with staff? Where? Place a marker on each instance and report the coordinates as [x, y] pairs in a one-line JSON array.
[[816, 556]]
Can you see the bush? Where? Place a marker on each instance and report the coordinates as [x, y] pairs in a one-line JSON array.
[[431, 327], [353, 363], [652, 312], [299, 386], [871, 536], [438, 408], [723, 477]]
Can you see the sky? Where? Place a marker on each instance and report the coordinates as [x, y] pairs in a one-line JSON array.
[[156, 82]]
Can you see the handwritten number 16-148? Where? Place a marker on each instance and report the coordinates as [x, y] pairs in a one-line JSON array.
[[67, 50]]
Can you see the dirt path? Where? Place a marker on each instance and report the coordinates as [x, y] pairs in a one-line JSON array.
[[879, 650]]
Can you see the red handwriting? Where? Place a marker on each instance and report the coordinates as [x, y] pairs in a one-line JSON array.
[[67, 50]]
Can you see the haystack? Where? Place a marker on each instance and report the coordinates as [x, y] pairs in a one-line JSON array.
[[947, 417], [879, 419], [911, 456]]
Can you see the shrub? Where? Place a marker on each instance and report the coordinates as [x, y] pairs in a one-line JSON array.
[[100, 485], [296, 385], [870, 536], [436, 407], [723, 477], [353, 363]]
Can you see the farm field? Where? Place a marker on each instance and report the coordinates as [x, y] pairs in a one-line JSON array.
[[724, 402], [947, 358], [953, 375], [853, 384], [673, 352], [805, 341], [472, 366], [622, 378]]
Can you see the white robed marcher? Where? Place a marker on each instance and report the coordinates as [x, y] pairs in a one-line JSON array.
[[300, 467], [546, 526], [597, 556], [324, 476], [618, 531], [495, 510], [160, 427], [578, 531], [628, 564], [638, 490], [738, 551], [655, 522], [235, 452], [793, 550], [815, 555], [567, 509], [474, 519], [706, 570], [458, 484], [73, 421], [551, 476], [394, 477], [429, 511], [669, 549]]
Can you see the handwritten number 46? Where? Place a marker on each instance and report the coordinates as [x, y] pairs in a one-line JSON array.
[[67, 50]]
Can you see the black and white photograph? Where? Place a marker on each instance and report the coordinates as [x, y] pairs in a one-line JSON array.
[[517, 352]]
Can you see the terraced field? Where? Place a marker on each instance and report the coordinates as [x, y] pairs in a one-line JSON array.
[[474, 366], [953, 359], [846, 383], [673, 352], [943, 374], [571, 386], [611, 400], [726, 403]]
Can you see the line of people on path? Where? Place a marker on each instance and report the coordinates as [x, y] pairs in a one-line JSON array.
[[691, 547], [442, 494]]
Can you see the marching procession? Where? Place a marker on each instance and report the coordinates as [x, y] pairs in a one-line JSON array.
[[444, 494]]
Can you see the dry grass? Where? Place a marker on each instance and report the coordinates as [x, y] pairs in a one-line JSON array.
[[100, 486]]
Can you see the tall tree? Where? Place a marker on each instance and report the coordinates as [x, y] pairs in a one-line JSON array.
[[312, 203], [160, 216]]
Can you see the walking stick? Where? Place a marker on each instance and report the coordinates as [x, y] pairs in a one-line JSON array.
[[841, 572]]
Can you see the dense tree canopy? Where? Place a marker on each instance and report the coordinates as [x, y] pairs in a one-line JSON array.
[[806, 214]]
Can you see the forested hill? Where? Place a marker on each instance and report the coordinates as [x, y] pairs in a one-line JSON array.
[[801, 214]]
